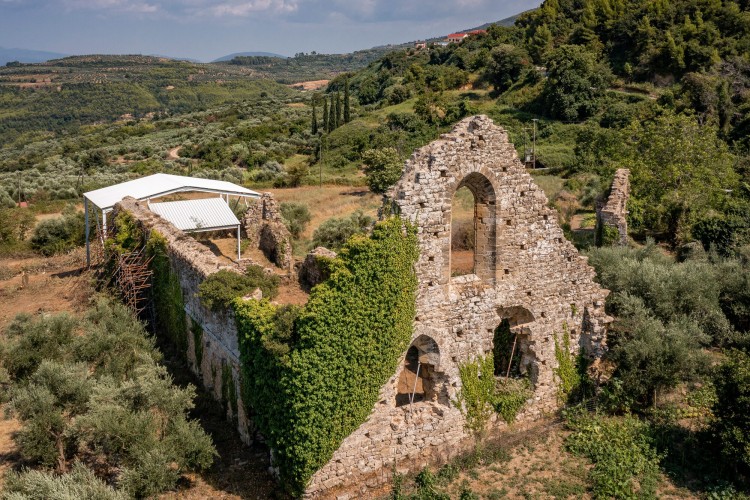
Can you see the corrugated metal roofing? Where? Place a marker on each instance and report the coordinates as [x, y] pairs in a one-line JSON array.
[[160, 185], [197, 215]]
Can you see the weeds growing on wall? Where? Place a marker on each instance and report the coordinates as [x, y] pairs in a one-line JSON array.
[[312, 375], [567, 372], [167, 293], [482, 393], [197, 330], [219, 290]]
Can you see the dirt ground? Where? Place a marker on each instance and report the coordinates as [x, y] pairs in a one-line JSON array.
[[310, 85]]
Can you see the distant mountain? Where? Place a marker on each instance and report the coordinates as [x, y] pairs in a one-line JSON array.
[[248, 54], [27, 56], [507, 22]]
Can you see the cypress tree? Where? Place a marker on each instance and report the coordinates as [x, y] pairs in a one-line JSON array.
[[339, 121], [314, 128], [347, 111], [326, 124]]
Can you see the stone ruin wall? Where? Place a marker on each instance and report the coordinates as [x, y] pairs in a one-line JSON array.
[[526, 271], [614, 212], [193, 262], [265, 229]]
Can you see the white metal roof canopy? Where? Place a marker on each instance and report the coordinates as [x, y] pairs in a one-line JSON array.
[[208, 214], [156, 186]]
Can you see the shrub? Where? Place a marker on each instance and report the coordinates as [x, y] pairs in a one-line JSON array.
[[335, 232], [80, 482], [58, 235], [101, 398], [732, 425], [296, 217], [219, 290], [626, 465], [383, 168]]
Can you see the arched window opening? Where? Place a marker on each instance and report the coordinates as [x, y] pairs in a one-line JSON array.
[[463, 232], [473, 228], [511, 351], [418, 381]]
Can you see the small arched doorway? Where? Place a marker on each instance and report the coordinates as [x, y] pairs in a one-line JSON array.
[[511, 348], [418, 380]]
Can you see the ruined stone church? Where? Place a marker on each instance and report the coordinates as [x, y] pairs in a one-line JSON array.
[[525, 277]]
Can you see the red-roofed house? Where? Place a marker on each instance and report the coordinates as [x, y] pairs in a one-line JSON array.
[[456, 37]]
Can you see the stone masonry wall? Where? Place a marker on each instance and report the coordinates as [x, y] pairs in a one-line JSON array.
[[265, 230], [193, 262], [614, 212], [525, 271]]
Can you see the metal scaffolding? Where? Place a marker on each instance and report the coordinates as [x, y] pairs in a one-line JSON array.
[[133, 278]]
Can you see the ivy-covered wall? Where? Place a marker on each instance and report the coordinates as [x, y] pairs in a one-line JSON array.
[[313, 380]]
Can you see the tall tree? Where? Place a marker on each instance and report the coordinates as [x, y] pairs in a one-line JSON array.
[[338, 109], [314, 128], [347, 111], [326, 118]]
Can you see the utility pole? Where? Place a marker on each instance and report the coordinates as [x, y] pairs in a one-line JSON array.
[[19, 188], [533, 147]]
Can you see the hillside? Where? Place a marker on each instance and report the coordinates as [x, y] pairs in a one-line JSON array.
[[229, 57], [660, 88]]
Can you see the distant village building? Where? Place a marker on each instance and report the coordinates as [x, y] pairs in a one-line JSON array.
[[419, 45], [459, 37]]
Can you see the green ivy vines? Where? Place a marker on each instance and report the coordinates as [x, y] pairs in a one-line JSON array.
[[312, 374]]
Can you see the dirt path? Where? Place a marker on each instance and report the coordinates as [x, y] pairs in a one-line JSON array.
[[174, 153]]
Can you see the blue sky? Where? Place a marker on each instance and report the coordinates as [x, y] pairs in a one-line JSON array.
[[207, 29]]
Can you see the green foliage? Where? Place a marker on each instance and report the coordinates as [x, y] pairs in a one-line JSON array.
[[52, 236], [482, 393], [576, 81], [732, 424], [382, 168], [14, 224], [80, 482], [219, 290], [228, 389], [166, 291], [626, 465], [99, 397], [358, 321], [567, 372], [197, 330], [336, 231], [477, 393], [31, 340], [666, 313], [509, 397], [606, 235], [506, 64], [296, 217]]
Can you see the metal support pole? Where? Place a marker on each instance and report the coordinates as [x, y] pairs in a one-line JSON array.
[[512, 352], [104, 225], [86, 217], [414, 390], [239, 253]]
